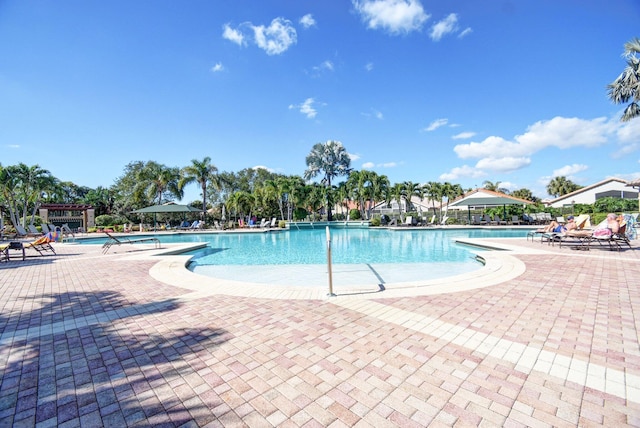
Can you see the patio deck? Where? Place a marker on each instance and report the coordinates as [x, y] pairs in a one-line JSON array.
[[118, 340]]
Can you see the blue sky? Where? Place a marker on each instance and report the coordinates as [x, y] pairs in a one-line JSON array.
[[464, 91]]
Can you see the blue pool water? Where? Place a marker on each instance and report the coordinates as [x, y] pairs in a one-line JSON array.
[[348, 246], [359, 255]]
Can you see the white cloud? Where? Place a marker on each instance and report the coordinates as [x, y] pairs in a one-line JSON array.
[[436, 124], [232, 35], [324, 66], [275, 39], [370, 165], [217, 68], [569, 170], [13, 146], [353, 156], [307, 21], [374, 113], [465, 32], [368, 66], [462, 171], [263, 167], [559, 132], [627, 134], [444, 27], [503, 164], [306, 108], [463, 135], [394, 16]]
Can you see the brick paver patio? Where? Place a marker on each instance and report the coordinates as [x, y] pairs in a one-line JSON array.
[[90, 340]]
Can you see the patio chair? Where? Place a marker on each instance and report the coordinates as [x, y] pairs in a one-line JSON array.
[[5, 249], [614, 240], [120, 241], [42, 245], [22, 233], [34, 230]]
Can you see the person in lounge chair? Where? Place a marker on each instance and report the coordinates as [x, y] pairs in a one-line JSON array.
[[607, 227], [555, 227]]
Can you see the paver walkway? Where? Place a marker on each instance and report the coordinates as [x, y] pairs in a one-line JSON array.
[[89, 340]]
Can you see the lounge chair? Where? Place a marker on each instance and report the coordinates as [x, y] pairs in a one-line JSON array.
[[22, 233], [45, 228], [432, 222], [264, 223], [515, 220], [615, 240], [444, 220], [42, 245], [34, 230], [408, 221], [5, 256], [120, 241], [497, 220]]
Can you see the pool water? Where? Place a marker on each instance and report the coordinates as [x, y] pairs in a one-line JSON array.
[[348, 246], [299, 257]]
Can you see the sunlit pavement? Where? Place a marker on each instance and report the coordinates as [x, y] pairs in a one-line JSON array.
[[541, 336]]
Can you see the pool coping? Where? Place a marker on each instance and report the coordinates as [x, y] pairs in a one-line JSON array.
[[499, 266]]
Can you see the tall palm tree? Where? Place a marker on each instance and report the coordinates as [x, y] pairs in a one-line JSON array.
[[396, 192], [377, 190], [626, 87], [560, 185], [202, 172], [433, 191], [330, 159], [154, 180], [409, 190]]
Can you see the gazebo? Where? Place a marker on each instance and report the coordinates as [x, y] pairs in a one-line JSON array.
[[483, 198]]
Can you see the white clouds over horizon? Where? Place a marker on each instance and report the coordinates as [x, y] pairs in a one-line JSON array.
[[394, 16], [444, 27], [307, 21], [306, 108], [497, 154], [275, 39], [436, 124]]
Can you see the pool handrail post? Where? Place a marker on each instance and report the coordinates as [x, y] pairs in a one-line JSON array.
[[331, 294]]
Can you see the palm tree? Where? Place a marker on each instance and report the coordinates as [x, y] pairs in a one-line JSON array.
[[433, 191], [560, 186], [377, 190], [154, 180], [330, 158], [409, 190], [202, 172], [626, 87]]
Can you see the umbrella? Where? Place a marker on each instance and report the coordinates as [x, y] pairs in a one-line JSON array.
[[165, 208]]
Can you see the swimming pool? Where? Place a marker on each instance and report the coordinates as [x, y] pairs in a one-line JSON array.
[[299, 257]]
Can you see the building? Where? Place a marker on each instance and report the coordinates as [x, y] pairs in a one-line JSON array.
[[73, 215], [611, 187]]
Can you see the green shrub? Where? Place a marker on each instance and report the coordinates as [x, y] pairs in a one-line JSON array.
[[354, 214], [300, 214], [105, 220], [375, 221], [282, 224]]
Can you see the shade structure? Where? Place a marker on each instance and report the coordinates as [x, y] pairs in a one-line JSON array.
[[167, 208], [487, 198]]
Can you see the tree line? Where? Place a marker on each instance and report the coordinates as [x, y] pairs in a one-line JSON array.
[[246, 193]]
